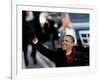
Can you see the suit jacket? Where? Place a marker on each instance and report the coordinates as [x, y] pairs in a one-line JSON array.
[[59, 57]]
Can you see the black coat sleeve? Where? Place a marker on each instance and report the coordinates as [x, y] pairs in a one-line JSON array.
[[45, 51]]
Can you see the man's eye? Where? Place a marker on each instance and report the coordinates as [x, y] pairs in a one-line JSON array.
[[65, 40]]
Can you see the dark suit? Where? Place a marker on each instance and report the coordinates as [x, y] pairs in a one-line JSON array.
[[28, 30], [59, 57]]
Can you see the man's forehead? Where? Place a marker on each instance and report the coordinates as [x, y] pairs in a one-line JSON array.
[[66, 37], [69, 38]]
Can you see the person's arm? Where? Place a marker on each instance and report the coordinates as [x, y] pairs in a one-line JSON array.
[[43, 50]]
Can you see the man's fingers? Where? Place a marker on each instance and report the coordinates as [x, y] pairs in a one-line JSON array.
[[35, 40]]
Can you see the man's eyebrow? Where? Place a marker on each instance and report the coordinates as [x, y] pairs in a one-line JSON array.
[[64, 40]]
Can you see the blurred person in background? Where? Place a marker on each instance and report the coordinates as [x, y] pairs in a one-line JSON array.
[[27, 34], [48, 29], [66, 29]]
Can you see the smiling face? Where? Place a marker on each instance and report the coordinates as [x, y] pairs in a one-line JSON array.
[[67, 43]]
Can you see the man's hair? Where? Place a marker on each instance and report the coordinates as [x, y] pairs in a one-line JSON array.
[[72, 38]]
